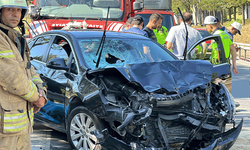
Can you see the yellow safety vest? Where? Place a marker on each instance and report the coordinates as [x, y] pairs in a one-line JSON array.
[[214, 56], [161, 35], [226, 41]]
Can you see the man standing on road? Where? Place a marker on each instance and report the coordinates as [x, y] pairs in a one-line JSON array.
[[212, 27], [223, 28], [137, 24], [21, 89], [155, 21], [233, 29], [176, 38], [128, 24]]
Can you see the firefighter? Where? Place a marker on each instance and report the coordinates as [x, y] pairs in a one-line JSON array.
[[21, 90]]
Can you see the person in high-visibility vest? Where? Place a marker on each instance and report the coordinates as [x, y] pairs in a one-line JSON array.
[[21, 90], [211, 26], [215, 59], [161, 34]]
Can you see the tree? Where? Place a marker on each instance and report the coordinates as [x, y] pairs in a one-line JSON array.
[[201, 8], [242, 3]]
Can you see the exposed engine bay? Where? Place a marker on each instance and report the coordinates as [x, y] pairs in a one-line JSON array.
[[138, 118]]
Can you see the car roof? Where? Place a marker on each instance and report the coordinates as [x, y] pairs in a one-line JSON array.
[[78, 34]]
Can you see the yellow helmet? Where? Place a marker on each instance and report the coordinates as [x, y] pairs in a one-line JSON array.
[[15, 4]]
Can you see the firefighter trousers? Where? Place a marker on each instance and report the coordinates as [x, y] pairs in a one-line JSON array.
[[20, 142]]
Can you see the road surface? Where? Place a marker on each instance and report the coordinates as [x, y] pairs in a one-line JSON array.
[[241, 93]]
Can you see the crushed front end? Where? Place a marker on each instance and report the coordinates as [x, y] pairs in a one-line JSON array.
[[146, 114]]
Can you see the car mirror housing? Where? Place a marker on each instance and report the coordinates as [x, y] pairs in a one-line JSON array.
[[57, 63]]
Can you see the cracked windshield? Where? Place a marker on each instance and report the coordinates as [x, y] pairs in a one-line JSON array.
[[119, 52], [94, 9]]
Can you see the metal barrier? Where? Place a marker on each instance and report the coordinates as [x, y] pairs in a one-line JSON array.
[[244, 51]]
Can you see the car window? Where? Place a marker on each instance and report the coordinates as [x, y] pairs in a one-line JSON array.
[[118, 52], [210, 50], [59, 49], [39, 48]]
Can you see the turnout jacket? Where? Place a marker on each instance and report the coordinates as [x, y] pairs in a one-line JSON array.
[[19, 84]]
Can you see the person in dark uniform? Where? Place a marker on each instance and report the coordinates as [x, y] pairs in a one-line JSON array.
[[128, 24], [155, 21], [137, 24]]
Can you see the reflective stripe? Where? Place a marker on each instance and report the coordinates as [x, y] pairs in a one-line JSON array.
[[30, 94], [15, 117], [14, 123], [8, 53], [34, 79], [31, 112], [14, 127]]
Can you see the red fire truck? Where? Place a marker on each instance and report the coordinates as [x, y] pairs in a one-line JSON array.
[[55, 14]]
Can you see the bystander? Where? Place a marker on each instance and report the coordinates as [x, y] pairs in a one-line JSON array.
[[176, 38]]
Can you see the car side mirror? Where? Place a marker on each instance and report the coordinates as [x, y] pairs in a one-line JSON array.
[[57, 63], [137, 5]]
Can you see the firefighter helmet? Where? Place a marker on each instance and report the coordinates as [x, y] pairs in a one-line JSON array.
[[15, 4]]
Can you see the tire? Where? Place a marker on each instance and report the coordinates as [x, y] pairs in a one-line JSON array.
[[79, 126]]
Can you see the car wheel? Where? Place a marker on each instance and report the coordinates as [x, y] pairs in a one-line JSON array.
[[81, 124]]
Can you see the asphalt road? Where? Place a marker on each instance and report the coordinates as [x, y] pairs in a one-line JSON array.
[[241, 93], [44, 138]]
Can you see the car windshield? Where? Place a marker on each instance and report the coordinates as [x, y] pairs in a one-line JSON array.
[[80, 9], [120, 52]]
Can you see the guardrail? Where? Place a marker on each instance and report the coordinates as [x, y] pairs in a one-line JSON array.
[[244, 51]]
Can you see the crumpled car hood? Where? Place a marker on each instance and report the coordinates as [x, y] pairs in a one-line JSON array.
[[175, 76]]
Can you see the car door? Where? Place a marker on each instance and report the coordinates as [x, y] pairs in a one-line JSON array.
[[53, 113], [211, 49], [56, 83]]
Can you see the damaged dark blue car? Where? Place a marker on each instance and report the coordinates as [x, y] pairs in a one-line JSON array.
[[130, 93]]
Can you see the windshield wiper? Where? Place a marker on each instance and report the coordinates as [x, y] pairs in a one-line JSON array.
[[102, 41]]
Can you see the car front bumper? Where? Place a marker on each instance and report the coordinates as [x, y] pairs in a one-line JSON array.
[[221, 141], [225, 140]]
